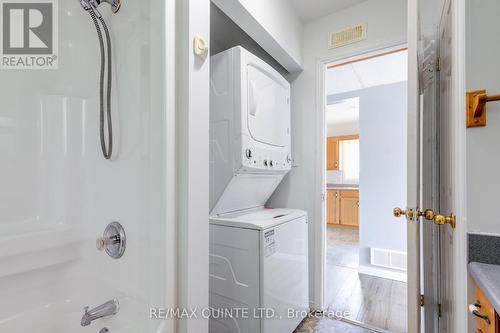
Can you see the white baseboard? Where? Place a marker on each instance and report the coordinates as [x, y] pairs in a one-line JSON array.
[[383, 273]]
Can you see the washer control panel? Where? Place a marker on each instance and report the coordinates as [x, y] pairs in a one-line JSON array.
[[264, 159]]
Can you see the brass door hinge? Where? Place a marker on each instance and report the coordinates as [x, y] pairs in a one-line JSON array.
[[422, 300], [439, 310], [438, 64]]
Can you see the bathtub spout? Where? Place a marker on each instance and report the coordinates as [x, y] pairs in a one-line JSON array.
[[104, 310]]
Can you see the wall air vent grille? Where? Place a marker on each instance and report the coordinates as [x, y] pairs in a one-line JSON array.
[[347, 36], [388, 258]]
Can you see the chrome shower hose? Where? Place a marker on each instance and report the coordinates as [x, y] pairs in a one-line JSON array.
[[107, 149]]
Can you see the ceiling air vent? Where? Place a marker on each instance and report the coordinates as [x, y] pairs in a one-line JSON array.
[[347, 36]]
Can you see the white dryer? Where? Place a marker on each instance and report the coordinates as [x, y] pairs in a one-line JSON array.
[[249, 131], [258, 256]]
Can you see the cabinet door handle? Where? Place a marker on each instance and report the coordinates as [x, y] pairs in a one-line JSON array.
[[474, 309]]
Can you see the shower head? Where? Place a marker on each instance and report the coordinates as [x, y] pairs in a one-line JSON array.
[[93, 4]]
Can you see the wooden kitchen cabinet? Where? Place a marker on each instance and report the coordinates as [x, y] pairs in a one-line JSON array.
[[349, 208], [342, 207], [332, 153], [332, 207], [333, 150], [490, 322]]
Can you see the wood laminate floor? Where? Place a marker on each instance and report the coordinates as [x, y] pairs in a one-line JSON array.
[[371, 300], [326, 325]]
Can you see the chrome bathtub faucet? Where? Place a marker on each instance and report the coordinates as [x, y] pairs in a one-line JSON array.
[[104, 310]]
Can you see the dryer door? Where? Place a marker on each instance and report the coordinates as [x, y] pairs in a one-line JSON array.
[[268, 107]]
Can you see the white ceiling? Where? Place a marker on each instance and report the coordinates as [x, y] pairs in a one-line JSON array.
[[387, 69], [309, 10], [343, 112]]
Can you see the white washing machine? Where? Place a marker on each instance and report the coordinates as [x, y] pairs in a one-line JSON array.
[[258, 260], [258, 256]]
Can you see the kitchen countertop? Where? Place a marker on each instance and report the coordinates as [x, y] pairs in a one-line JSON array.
[[486, 277], [342, 187]]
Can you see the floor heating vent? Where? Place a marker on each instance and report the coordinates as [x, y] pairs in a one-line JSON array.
[[387, 258]]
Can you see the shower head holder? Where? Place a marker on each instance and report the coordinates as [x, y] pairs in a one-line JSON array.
[[93, 4]]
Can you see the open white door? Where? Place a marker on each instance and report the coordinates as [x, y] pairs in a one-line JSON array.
[[449, 172], [430, 183]]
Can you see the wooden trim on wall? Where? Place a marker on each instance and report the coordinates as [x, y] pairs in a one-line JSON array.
[[346, 137]]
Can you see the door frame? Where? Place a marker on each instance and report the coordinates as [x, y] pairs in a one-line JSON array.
[[319, 274], [459, 280], [192, 90]]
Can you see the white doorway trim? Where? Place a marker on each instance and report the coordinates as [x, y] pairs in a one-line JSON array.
[[459, 285], [192, 19], [319, 275]]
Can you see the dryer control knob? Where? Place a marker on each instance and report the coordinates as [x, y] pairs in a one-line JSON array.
[[248, 153], [271, 163], [265, 162]]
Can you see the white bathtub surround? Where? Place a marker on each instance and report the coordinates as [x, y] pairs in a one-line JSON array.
[[59, 193]]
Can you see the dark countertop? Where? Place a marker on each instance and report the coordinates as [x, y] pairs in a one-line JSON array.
[[342, 186], [487, 278]]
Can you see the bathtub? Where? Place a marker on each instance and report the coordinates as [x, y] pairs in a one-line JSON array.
[[28, 245]]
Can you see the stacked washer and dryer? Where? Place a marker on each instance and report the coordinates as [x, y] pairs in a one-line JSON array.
[[258, 256]]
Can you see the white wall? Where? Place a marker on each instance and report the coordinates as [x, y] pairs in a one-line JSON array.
[[342, 129], [387, 25], [483, 154], [225, 34], [382, 176], [272, 24]]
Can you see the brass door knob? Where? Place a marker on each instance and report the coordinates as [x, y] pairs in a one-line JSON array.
[[398, 212], [443, 219], [429, 215], [409, 213]]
